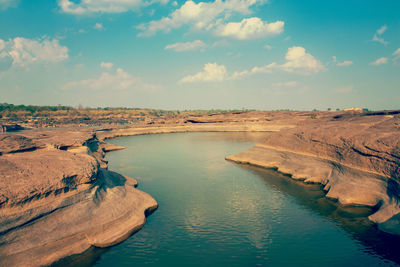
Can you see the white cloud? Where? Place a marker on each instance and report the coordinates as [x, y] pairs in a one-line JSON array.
[[204, 15], [298, 61], [268, 47], [211, 72], [106, 65], [120, 80], [2, 44], [344, 89], [98, 26], [84, 7], [377, 36], [23, 52], [264, 69], [378, 39], [381, 30], [4, 4], [379, 61], [249, 28], [180, 47], [344, 63]]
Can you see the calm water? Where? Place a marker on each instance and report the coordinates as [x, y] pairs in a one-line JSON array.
[[217, 213]]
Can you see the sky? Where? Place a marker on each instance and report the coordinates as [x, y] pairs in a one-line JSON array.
[[231, 54]]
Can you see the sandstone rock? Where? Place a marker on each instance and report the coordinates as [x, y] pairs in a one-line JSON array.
[[100, 214], [57, 198], [16, 143], [356, 157]]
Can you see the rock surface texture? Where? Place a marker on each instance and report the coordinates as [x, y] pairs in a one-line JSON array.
[[356, 157], [58, 199]]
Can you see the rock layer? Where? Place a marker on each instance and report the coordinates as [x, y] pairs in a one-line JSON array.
[[56, 200], [57, 197], [356, 158]]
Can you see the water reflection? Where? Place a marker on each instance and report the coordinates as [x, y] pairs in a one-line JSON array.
[[352, 219], [215, 212]]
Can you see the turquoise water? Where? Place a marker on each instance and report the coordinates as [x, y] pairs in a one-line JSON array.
[[216, 213]]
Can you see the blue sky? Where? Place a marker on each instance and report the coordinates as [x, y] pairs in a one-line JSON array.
[[276, 54]]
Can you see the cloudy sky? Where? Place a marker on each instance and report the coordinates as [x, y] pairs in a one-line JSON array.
[[261, 54]]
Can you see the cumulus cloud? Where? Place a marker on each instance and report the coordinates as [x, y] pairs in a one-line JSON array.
[[106, 65], [211, 72], [23, 52], [181, 47], [249, 28], [98, 26], [85, 7], [204, 15], [299, 61], [379, 61], [120, 80], [4, 4], [378, 35]]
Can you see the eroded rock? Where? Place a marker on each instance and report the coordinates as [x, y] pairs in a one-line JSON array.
[[356, 158], [57, 198]]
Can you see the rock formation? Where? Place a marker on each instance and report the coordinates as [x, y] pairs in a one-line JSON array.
[[58, 199], [356, 158]]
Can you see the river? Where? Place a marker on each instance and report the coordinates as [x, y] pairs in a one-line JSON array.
[[217, 213]]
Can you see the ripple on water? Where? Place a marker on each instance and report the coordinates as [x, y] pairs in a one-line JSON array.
[[213, 212]]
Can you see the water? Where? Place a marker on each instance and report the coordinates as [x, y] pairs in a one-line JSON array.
[[217, 213]]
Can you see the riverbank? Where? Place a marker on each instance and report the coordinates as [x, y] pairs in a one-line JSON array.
[[58, 198], [356, 159]]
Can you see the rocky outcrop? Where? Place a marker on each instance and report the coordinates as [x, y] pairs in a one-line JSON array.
[[16, 143], [57, 197], [357, 159], [56, 200], [208, 127], [10, 128]]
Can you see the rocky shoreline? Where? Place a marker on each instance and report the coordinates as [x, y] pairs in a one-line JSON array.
[[356, 159], [58, 198]]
